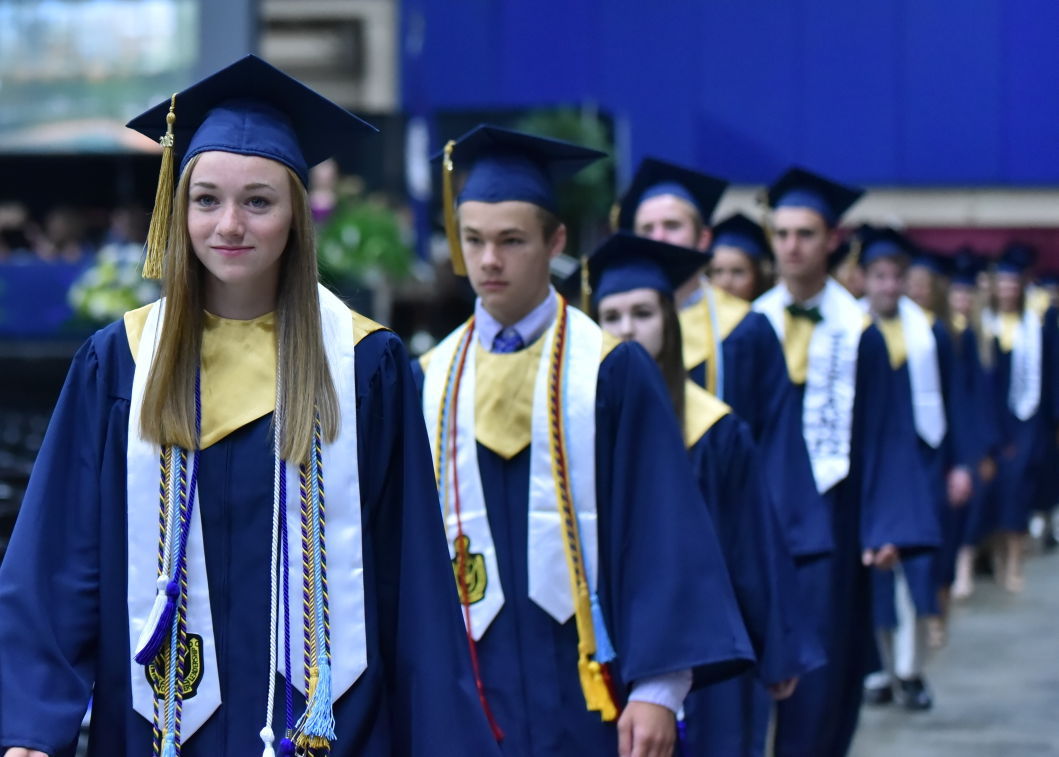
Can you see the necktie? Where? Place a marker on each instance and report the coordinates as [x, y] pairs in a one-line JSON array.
[[800, 311], [507, 340]]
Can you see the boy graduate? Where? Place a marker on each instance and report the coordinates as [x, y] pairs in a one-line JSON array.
[[875, 495], [594, 589], [729, 350], [178, 557], [632, 284], [929, 390]]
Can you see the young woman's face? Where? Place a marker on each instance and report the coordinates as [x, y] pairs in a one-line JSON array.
[[919, 286], [1008, 292], [961, 299], [884, 282], [634, 316], [239, 219], [732, 270]]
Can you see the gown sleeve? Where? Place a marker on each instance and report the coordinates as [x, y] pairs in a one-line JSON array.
[[423, 642], [49, 598], [666, 591], [895, 500]]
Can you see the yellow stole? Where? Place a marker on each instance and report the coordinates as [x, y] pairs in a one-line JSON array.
[[503, 401], [696, 328], [894, 335], [701, 412], [238, 367], [1007, 327]]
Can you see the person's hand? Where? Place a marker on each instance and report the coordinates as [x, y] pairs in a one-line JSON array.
[[783, 689], [646, 730], [960, 486], [987, 469], [883, 558], [20, 751]]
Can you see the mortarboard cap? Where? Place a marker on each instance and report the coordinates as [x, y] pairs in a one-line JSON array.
[[249, 108], [1017, 257], [966, 266], [253, 108], [625, 262], [741, 232], [655, 178], [939, 265], [502, 165], [878, 242], [799, 188], [1048, 278]]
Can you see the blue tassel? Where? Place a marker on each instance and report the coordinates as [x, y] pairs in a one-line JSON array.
[[286, 747], [147, 650], [604, 649], [318, 722], [169, 745]]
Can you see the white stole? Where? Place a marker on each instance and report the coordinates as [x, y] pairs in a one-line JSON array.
[[831, 379], [1024, 392], [921, 349], [549, 579], [344, 539]]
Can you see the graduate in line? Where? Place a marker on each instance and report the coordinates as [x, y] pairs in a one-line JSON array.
[[1025, 387], [975, 358], [632, 282], [875, 495], [740, 258], [595, 592], [729, 350], [231, 538], [928, 390]]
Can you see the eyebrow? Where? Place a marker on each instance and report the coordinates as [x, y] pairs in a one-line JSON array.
[[251, 186], [502, 232]]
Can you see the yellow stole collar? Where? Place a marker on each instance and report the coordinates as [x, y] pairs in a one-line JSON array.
[[701, 412], [894, 334], [697, 328], [238, 367], [503, 394]]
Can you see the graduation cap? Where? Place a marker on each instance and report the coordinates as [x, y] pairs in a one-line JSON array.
[[742, 233], [502, 165], [936, 263], [655, 178], [799, 188], [1048, 278], [625, 262], [966, 266], [878, 242], [249, 108], [1017, 257]]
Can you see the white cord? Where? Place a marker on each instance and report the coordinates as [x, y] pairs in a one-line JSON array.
[[279, 510]]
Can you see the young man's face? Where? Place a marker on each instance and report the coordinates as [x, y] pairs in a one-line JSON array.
[[507, 256], [884, 282], [668, 218], [801, 241]]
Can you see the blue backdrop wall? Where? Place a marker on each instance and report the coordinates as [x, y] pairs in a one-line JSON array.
[[880, 92]]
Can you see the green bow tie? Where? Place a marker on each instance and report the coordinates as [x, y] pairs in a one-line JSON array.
[[800, 311]]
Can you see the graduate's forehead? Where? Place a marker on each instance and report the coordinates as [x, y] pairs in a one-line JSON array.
[[219, 169], [492, 218], [790, 218], [665, 207]]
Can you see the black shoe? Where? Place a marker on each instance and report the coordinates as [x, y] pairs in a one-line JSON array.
[[878, 695], [914, 695]]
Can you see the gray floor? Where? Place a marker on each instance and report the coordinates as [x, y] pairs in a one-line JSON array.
[[996, 683]]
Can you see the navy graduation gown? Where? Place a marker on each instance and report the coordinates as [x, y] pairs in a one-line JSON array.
[[730, 719], [759, 390], [63, 614], [1049, 491], [664, 589], [927, 571], [885, 499], [1024, 445]]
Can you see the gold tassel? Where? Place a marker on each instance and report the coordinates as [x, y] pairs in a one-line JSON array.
[[586, 287], [452, 230], [615, 217], [158, 233]]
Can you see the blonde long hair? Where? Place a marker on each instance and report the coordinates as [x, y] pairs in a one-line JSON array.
[[168, 415]]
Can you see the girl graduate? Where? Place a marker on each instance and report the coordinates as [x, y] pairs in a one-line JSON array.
[[633, 280], [231, 538], [1025, 386]]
